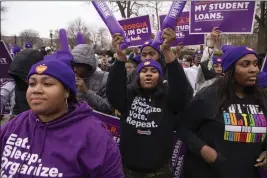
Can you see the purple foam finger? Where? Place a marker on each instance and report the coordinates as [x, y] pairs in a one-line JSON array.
[[174, 13], [170, 20], [79, 38], [111, 22], [63, 40]]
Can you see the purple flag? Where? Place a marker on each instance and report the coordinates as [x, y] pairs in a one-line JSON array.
[[182, 31], [236, 17], [138, 29]]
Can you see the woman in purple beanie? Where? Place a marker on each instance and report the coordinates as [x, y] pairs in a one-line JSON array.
[[225, 125], [148, 109], [217, 65], [57, 137], [150, 50]]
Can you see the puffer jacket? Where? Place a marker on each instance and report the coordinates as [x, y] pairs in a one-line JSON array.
[[95, 81]]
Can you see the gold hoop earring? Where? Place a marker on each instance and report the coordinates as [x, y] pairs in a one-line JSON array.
[[67, 106]]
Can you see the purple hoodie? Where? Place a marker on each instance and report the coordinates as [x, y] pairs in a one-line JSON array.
[[74, 146]]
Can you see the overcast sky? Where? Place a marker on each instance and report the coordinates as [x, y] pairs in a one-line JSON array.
[[43, 16]]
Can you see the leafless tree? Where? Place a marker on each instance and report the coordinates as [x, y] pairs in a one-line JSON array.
[[128, 9], [75, 26], [260, 25], [30, 36], [3, 9], [154, 8], [249, 40], [93, 35], [103, 37]]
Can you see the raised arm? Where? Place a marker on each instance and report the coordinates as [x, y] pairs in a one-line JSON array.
[[178, 85], [117, 79]]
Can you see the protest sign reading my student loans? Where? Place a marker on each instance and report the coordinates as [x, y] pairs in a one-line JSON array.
[[182, 31], [138, 29], [236, 17]]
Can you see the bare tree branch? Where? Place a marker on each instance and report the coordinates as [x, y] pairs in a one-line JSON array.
[[75, 26], [3, 9], [30, 36], [128, 8]]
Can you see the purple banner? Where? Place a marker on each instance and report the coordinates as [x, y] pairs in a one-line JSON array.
[[236, 17], [182, 31], [112, 124], [178, 159], [138, 29], [5, 61]]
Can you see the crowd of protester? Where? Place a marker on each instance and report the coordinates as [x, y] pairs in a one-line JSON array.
[[216, 103]]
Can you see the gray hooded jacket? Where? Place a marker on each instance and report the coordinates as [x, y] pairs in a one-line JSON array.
[[96, 80]]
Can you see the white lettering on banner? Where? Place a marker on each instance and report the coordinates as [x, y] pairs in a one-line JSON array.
[[138, 115], [3, 61], [105, 10], [177, 161], [180, 35], [213, 11], [182, 28], [134, 30], [229, 6], [179, 166], [175, 9], [209, 16], [23, 162]]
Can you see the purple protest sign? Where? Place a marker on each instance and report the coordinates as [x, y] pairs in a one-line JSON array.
[[112, 124], [227, 15], [182, 31], [138, 29], [5, 61], [178, 159]]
